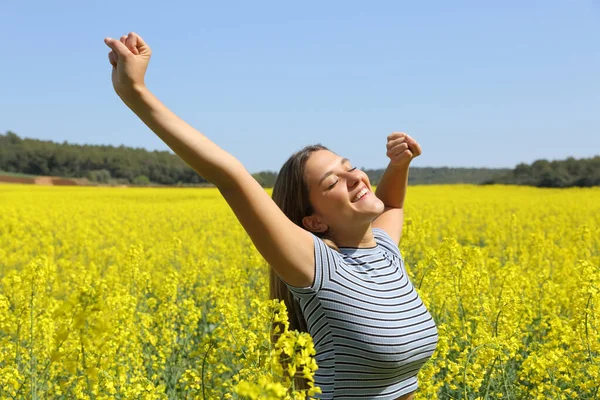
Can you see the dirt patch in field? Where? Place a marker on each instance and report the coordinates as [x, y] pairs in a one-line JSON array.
[[58, 181], [15, 179], [45, 180]]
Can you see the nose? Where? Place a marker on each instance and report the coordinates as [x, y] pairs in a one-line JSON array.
[[353, 179]]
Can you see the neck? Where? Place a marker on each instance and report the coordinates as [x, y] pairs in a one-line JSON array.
[[357, 237]]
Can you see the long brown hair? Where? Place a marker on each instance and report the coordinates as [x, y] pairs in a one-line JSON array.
[[290, 193]]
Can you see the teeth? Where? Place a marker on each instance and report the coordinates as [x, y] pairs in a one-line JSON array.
[[360, 195]]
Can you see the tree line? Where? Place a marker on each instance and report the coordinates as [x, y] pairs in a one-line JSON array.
[[584, 172], [102, 164], [125, 165]]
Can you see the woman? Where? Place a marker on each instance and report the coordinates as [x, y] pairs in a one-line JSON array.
[[332, 244]]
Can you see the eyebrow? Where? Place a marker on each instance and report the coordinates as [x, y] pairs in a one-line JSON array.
[[326, 174]]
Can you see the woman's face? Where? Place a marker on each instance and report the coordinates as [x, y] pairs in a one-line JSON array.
[[339, 193]]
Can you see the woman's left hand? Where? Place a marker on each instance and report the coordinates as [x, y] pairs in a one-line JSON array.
[[401, 148]]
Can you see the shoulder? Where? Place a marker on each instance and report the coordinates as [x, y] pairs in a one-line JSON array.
[[386, 242], [327, 260]]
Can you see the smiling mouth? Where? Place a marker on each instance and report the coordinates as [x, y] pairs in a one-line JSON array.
[[363, 192]]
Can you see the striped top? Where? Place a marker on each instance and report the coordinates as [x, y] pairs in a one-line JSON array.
[[372, 332]]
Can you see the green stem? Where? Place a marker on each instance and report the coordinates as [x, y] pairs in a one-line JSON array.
[[32, 367], [203, 364]]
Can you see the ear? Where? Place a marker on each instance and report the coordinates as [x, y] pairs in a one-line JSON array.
[[313, 224]]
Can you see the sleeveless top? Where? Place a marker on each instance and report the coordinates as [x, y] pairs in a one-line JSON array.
[[372, 333]]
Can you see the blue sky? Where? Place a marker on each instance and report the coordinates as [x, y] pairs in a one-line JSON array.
[[484, 84]]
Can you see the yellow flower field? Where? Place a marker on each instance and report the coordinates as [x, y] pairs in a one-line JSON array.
[[159, 293]]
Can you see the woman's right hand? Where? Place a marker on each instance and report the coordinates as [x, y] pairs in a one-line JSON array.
[[129, 57]]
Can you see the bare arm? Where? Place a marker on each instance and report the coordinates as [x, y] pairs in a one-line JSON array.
[[199, 152], [285, 246], [392, 191], [394, 182]]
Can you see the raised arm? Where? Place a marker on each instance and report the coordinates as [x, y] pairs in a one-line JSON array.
[[285, 246], [401, 149]]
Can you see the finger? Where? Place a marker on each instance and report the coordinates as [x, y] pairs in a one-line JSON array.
[[395, 142], [119, 48], [399, 150], [402, 158], [127, 42], [396, 135], [131, 43], [140, 44], [405, 155], [122, 40], [112, 58], [394, 152], [414, 146], [416, 150]]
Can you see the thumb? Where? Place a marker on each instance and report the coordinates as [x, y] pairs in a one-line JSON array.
[[117, 47]]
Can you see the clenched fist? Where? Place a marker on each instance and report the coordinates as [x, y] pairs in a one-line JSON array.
[[129, 57], [401, 148]]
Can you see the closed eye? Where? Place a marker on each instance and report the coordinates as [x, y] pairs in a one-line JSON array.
[[335, 183]]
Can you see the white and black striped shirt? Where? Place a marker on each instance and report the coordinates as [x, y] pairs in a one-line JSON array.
[[372, 332]]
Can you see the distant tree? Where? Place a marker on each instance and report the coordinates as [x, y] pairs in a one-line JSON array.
[[265, 178], [554, 179], [12, 138], [99, 176], [141, 180]]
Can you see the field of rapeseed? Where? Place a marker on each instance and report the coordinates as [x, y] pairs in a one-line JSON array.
[[159, 293]]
